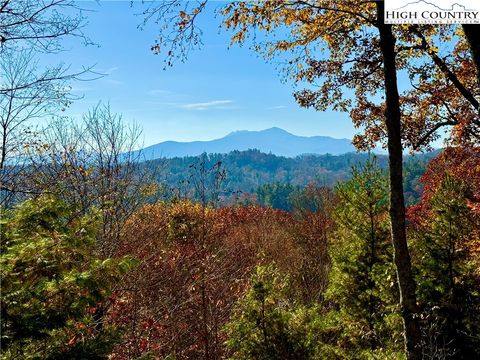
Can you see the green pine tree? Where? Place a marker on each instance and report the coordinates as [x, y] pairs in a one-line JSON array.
[[53, 286], [267, 325], [362, 289], [448, 278]]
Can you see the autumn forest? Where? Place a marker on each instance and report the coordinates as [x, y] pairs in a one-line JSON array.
[[245, 255]]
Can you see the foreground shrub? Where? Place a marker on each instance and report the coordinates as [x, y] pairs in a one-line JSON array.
[[54, 288]]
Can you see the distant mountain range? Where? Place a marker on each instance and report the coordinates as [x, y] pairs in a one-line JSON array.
[[274, 140]]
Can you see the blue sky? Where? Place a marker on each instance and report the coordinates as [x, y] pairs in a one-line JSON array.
[[216, 91]]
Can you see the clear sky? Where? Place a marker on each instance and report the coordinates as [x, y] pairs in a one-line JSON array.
[[217, 91]]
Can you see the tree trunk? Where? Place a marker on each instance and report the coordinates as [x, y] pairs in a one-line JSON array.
[[401, 254], [472, 33]]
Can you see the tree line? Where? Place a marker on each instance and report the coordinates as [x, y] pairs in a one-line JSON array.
[[250, 174]]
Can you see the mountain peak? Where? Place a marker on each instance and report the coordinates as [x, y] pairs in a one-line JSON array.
[[275, 130], [269, 131]]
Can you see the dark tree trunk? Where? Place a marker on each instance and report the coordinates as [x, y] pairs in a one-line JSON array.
[[401, 254], [472, 33]]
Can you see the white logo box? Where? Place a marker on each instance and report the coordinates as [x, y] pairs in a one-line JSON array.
[[432, 12]]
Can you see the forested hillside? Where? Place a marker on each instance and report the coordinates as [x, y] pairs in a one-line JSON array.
[[247, 171], [183, 277]]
